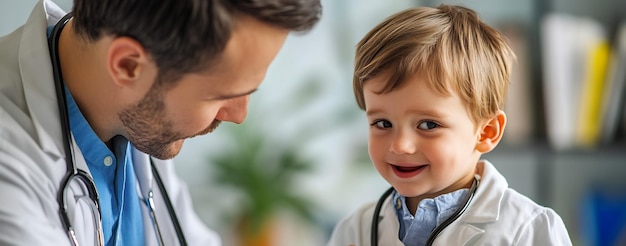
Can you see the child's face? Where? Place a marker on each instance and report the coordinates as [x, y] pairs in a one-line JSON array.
[[421, 142]]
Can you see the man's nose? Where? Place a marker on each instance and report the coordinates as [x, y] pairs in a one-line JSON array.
[[234, 110]]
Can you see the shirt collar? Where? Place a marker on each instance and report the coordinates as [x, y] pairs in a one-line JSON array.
[[442, 202], [94, 150], [430, 213]]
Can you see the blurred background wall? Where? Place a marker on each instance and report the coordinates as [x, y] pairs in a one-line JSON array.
[[302, 150]]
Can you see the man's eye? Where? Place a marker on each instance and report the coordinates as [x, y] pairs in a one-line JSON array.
[[381, 124], [427, 125]]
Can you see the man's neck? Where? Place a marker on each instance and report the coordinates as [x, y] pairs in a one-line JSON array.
[[86, 78]]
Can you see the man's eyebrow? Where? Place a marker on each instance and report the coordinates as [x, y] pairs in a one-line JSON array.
[[226, 97]]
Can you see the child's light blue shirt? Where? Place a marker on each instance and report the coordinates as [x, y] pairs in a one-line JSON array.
[[431, 212]]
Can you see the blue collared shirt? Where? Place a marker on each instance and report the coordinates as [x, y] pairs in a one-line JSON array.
[[114, 176], [430, 212]]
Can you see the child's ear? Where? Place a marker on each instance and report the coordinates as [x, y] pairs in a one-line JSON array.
[[491, 132]]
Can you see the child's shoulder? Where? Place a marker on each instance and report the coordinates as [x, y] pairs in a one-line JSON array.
[[522, 206], [498, 195], [361, 217], [355, 229], [527, 222], [509, 216]]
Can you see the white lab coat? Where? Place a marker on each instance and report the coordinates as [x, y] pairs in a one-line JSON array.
[[32, 161], [496, 216]]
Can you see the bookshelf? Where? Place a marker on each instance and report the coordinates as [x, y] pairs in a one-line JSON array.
[[556, 177]]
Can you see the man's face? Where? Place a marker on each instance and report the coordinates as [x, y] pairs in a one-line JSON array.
[[198, 102]]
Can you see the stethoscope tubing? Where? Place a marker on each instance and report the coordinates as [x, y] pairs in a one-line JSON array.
[[376, 216], [168, 205], [71, 172]]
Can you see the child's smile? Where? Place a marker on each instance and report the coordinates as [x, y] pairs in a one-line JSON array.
[[407, 171]]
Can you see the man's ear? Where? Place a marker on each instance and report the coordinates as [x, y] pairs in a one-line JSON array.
[[491, 132], [127, 61]]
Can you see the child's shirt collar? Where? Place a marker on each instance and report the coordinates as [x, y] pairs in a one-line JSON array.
[[415, 230]]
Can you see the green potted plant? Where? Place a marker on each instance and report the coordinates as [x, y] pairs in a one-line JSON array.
[[263, 174]]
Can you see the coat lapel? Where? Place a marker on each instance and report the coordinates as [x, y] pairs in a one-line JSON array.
[[485, 208], [389, 225], [489, 195], [36, 72]]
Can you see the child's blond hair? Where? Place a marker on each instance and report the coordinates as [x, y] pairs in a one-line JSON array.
[[449, 45]]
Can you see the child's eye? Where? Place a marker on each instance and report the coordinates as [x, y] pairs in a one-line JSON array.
[[427, 125], [381, 124]]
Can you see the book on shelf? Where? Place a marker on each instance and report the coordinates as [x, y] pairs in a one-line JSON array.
[[584, 76], [561, 58], [589, 119], [613, 103]]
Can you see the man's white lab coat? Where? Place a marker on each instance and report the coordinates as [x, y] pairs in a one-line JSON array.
[[32, 159]]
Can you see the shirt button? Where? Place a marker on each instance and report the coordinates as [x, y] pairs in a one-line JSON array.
[[108, 161], [399, 203]]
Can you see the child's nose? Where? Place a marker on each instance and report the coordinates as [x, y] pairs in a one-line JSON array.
[[403, 143]]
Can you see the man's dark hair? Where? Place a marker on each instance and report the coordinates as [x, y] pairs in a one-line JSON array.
[[184, 36]]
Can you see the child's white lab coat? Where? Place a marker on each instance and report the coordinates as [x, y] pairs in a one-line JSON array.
[[496, 216]]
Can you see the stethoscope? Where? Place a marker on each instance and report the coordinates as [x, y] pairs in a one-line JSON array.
[[437, 230], [73, 174]]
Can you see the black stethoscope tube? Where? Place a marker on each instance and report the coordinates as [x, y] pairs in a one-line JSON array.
[[437, 230], [168, 204], [72, 172], [376, 216]]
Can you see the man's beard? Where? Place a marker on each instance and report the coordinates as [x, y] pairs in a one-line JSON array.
[[149, 130]]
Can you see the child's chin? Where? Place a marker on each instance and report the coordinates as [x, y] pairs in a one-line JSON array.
[[408, 192]]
